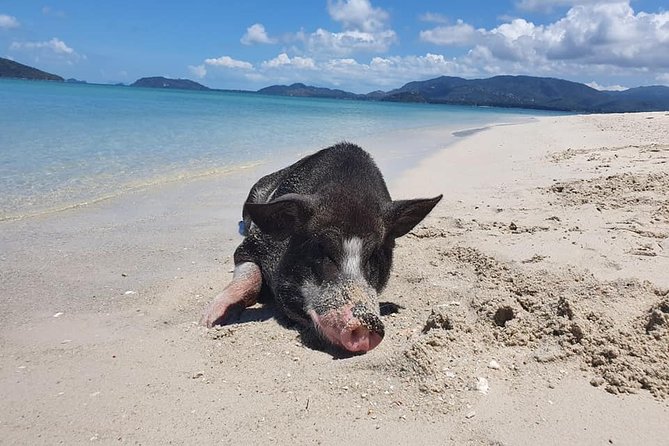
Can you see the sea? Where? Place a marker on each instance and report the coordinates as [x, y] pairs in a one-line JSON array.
[[64, 145]]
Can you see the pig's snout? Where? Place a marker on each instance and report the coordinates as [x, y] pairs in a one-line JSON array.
[[359, 337], [353, 327], [367, 330]]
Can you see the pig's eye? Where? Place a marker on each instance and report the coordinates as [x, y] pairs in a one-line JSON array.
[[327, 266], [324, 254]]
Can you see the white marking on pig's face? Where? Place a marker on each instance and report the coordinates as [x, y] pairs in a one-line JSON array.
[[351, 266]]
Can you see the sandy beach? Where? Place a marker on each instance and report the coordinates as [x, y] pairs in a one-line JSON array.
[[533, 308]]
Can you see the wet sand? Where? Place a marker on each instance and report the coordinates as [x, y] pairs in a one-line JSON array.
[[534, 308]]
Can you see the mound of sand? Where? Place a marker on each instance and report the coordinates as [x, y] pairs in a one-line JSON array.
[[617, 330]]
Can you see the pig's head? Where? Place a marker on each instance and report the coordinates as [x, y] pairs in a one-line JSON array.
[[337, 259]]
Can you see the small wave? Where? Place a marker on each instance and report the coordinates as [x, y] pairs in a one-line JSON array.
[[128, 187]]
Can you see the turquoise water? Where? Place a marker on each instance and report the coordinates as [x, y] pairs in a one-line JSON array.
[[67, 144]]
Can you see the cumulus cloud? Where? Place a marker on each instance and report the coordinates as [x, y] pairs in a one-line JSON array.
[[597, 86], [256, 34], [433, 17], [282, 60], [590, 34], [364, 29], [358, 14], [54, 49], [199, 71], [378, 72], [546, 6], [8, 22], [324, 42], [459, 34], [56, 45], [229, 62], [387, 72]]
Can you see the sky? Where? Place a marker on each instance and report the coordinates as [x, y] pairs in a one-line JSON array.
[[355, 45]]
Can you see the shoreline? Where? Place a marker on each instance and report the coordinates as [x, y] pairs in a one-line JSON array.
[[129, 188], [546, 258], [84, 152], [219, 173]]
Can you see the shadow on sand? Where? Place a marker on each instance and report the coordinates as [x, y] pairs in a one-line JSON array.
[[308, 336]]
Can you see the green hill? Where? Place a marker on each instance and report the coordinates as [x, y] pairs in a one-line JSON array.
[[530, 92], [502, 91], [163, 82], [15, 70], [301, 90]]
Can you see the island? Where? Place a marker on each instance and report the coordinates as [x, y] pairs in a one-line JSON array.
[[15, 70], [164, 82]]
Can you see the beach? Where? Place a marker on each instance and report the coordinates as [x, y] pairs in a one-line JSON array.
[[533, 307]]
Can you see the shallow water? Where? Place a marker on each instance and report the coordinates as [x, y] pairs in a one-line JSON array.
[[63, 145]]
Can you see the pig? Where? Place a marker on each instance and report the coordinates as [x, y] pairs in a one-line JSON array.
[[319, 239]]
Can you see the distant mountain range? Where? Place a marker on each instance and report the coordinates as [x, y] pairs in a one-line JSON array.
[[503, 91], [499, 91], [15, 70]]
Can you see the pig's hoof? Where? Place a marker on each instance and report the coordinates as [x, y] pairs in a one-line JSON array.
[[242, 292], [221, 313]]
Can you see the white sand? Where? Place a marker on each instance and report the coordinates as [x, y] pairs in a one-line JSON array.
[[548, 256]]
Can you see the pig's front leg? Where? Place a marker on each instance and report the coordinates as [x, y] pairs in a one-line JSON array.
[[242, 292]]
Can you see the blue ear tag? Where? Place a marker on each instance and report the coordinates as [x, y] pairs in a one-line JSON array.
[[242, 228]]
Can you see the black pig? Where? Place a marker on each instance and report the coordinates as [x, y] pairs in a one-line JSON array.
[[319, 240]]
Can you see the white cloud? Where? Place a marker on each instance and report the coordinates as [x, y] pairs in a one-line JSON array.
[[199, 71], [229, 62], [597, 86], [379, 72], [54, 48], [56, 45], [546, 6], [459, 34], [387, 72], [8, 22], [358, 14], [434, 17], [256, 34], [324, 43], [364, 29], [589, 35], [283, 60], [663, 78]]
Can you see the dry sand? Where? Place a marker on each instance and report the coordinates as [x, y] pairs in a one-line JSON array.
[[533, 309]]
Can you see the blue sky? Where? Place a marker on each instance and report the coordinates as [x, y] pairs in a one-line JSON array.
[[356, 45]]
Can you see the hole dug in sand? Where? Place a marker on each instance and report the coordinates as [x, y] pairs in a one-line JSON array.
[[503, 315]]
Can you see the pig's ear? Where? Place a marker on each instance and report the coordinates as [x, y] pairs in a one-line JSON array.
[[282, 216], [402, 215]]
